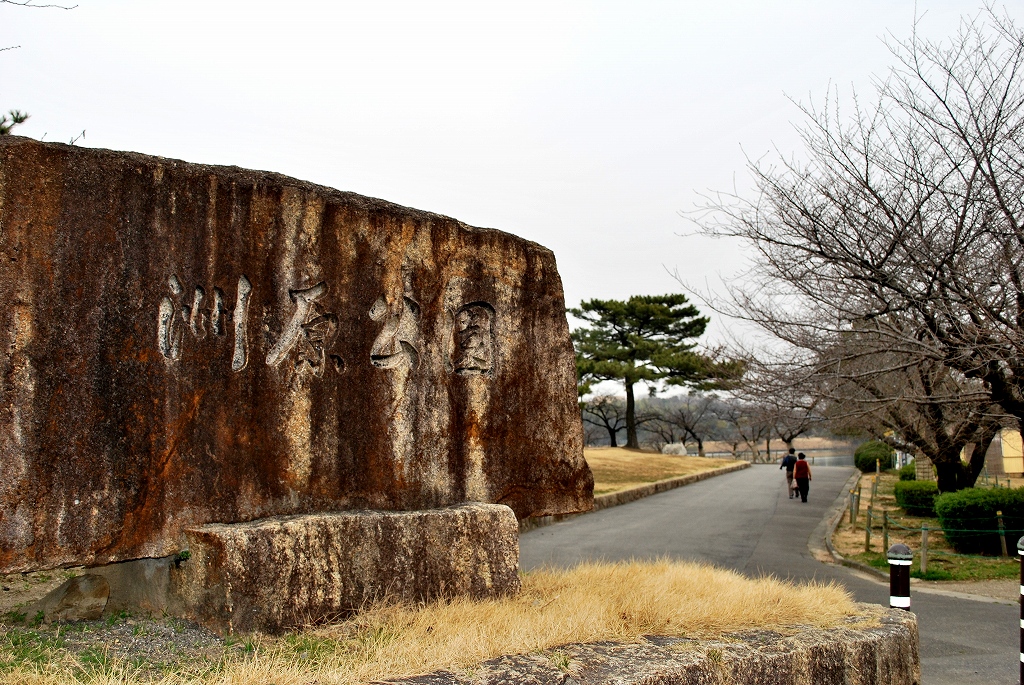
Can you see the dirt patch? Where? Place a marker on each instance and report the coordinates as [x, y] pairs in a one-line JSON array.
[[18, 590]]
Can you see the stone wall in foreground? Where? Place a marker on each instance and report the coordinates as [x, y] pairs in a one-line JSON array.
[[877, 648], [188, 344]]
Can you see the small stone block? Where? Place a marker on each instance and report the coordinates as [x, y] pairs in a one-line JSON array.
[[82, 598], [276, 573]]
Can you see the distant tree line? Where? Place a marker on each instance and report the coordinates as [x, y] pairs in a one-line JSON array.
[[747, 428]]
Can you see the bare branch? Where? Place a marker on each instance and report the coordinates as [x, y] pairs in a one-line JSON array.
[[30, 3]]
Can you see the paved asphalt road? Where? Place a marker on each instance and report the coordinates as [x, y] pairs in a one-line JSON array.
[[745, 521]]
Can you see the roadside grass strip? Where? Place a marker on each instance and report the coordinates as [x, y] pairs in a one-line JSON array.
[[944, 563], [617, 469], [592, 602]]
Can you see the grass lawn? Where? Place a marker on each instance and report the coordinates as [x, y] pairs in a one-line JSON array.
[[616, 468], [943, 562], [595, 601]]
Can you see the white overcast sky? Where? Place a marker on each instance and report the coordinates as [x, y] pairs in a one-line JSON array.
[[585, 126]]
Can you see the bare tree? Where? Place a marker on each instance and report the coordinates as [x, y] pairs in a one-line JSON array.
[[905, 224], [606, 412], [693, 416], [748, 423], [592, 434], [915, 405], [785, 396], [663, 431]]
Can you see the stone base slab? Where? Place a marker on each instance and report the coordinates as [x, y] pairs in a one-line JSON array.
[[878, 648], [288, 571]]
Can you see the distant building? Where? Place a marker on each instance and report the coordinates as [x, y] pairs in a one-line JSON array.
[[1005, 456]]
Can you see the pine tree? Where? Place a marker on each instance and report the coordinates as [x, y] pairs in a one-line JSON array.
[[648, 338]]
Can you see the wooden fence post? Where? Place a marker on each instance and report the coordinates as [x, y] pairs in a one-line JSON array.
[[924, 550], [885, 530], [1002, 534], [867, 531]]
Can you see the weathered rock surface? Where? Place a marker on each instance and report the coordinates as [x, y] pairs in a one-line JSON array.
[[289, 571], [879, 649], [139, 585], [188, 344], [82, 598]]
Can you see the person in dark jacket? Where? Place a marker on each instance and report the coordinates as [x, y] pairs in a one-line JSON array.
[[788, 462], [802, 475]]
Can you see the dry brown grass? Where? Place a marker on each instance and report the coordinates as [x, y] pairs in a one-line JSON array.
[[595, 601], [617, 469]]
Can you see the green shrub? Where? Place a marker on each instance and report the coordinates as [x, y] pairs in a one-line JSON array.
[[865, 456], [916, 497], [968, 518], [908, 471]]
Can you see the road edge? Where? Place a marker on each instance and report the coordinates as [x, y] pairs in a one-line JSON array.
[[828, 526]]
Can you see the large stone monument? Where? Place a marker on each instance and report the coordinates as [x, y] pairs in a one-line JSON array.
[[186, 345]]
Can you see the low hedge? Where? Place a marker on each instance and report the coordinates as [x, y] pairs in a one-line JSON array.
[[865, 456], [968, 518], [908, 471], [916, 497]]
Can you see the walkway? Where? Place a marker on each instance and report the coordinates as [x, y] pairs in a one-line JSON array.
[[745, 521]]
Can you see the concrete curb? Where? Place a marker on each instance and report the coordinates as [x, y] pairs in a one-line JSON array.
[[614, 499], [831, 522]]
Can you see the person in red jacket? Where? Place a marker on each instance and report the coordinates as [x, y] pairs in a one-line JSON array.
[[802, 475]]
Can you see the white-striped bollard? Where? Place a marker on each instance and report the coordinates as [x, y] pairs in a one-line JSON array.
[[900, 558], [1020, 554]]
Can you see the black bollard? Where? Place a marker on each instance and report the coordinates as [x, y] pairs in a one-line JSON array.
[[1020, 554], [900, 558]]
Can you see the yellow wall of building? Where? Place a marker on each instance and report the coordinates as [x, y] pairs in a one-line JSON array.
[[1013, 451]]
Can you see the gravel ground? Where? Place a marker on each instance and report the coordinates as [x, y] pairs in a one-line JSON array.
[[152, 645]]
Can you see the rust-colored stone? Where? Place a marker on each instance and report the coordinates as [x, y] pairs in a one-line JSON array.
[[290, 571], [187, 344]]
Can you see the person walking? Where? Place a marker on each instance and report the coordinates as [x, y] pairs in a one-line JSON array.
[[788, 462], [802, 474]]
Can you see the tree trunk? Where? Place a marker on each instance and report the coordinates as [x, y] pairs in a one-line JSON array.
[[768, 450], [985, 437], [631, 439], [950, 475], [755, 452], [611, 436], [700, 447]]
